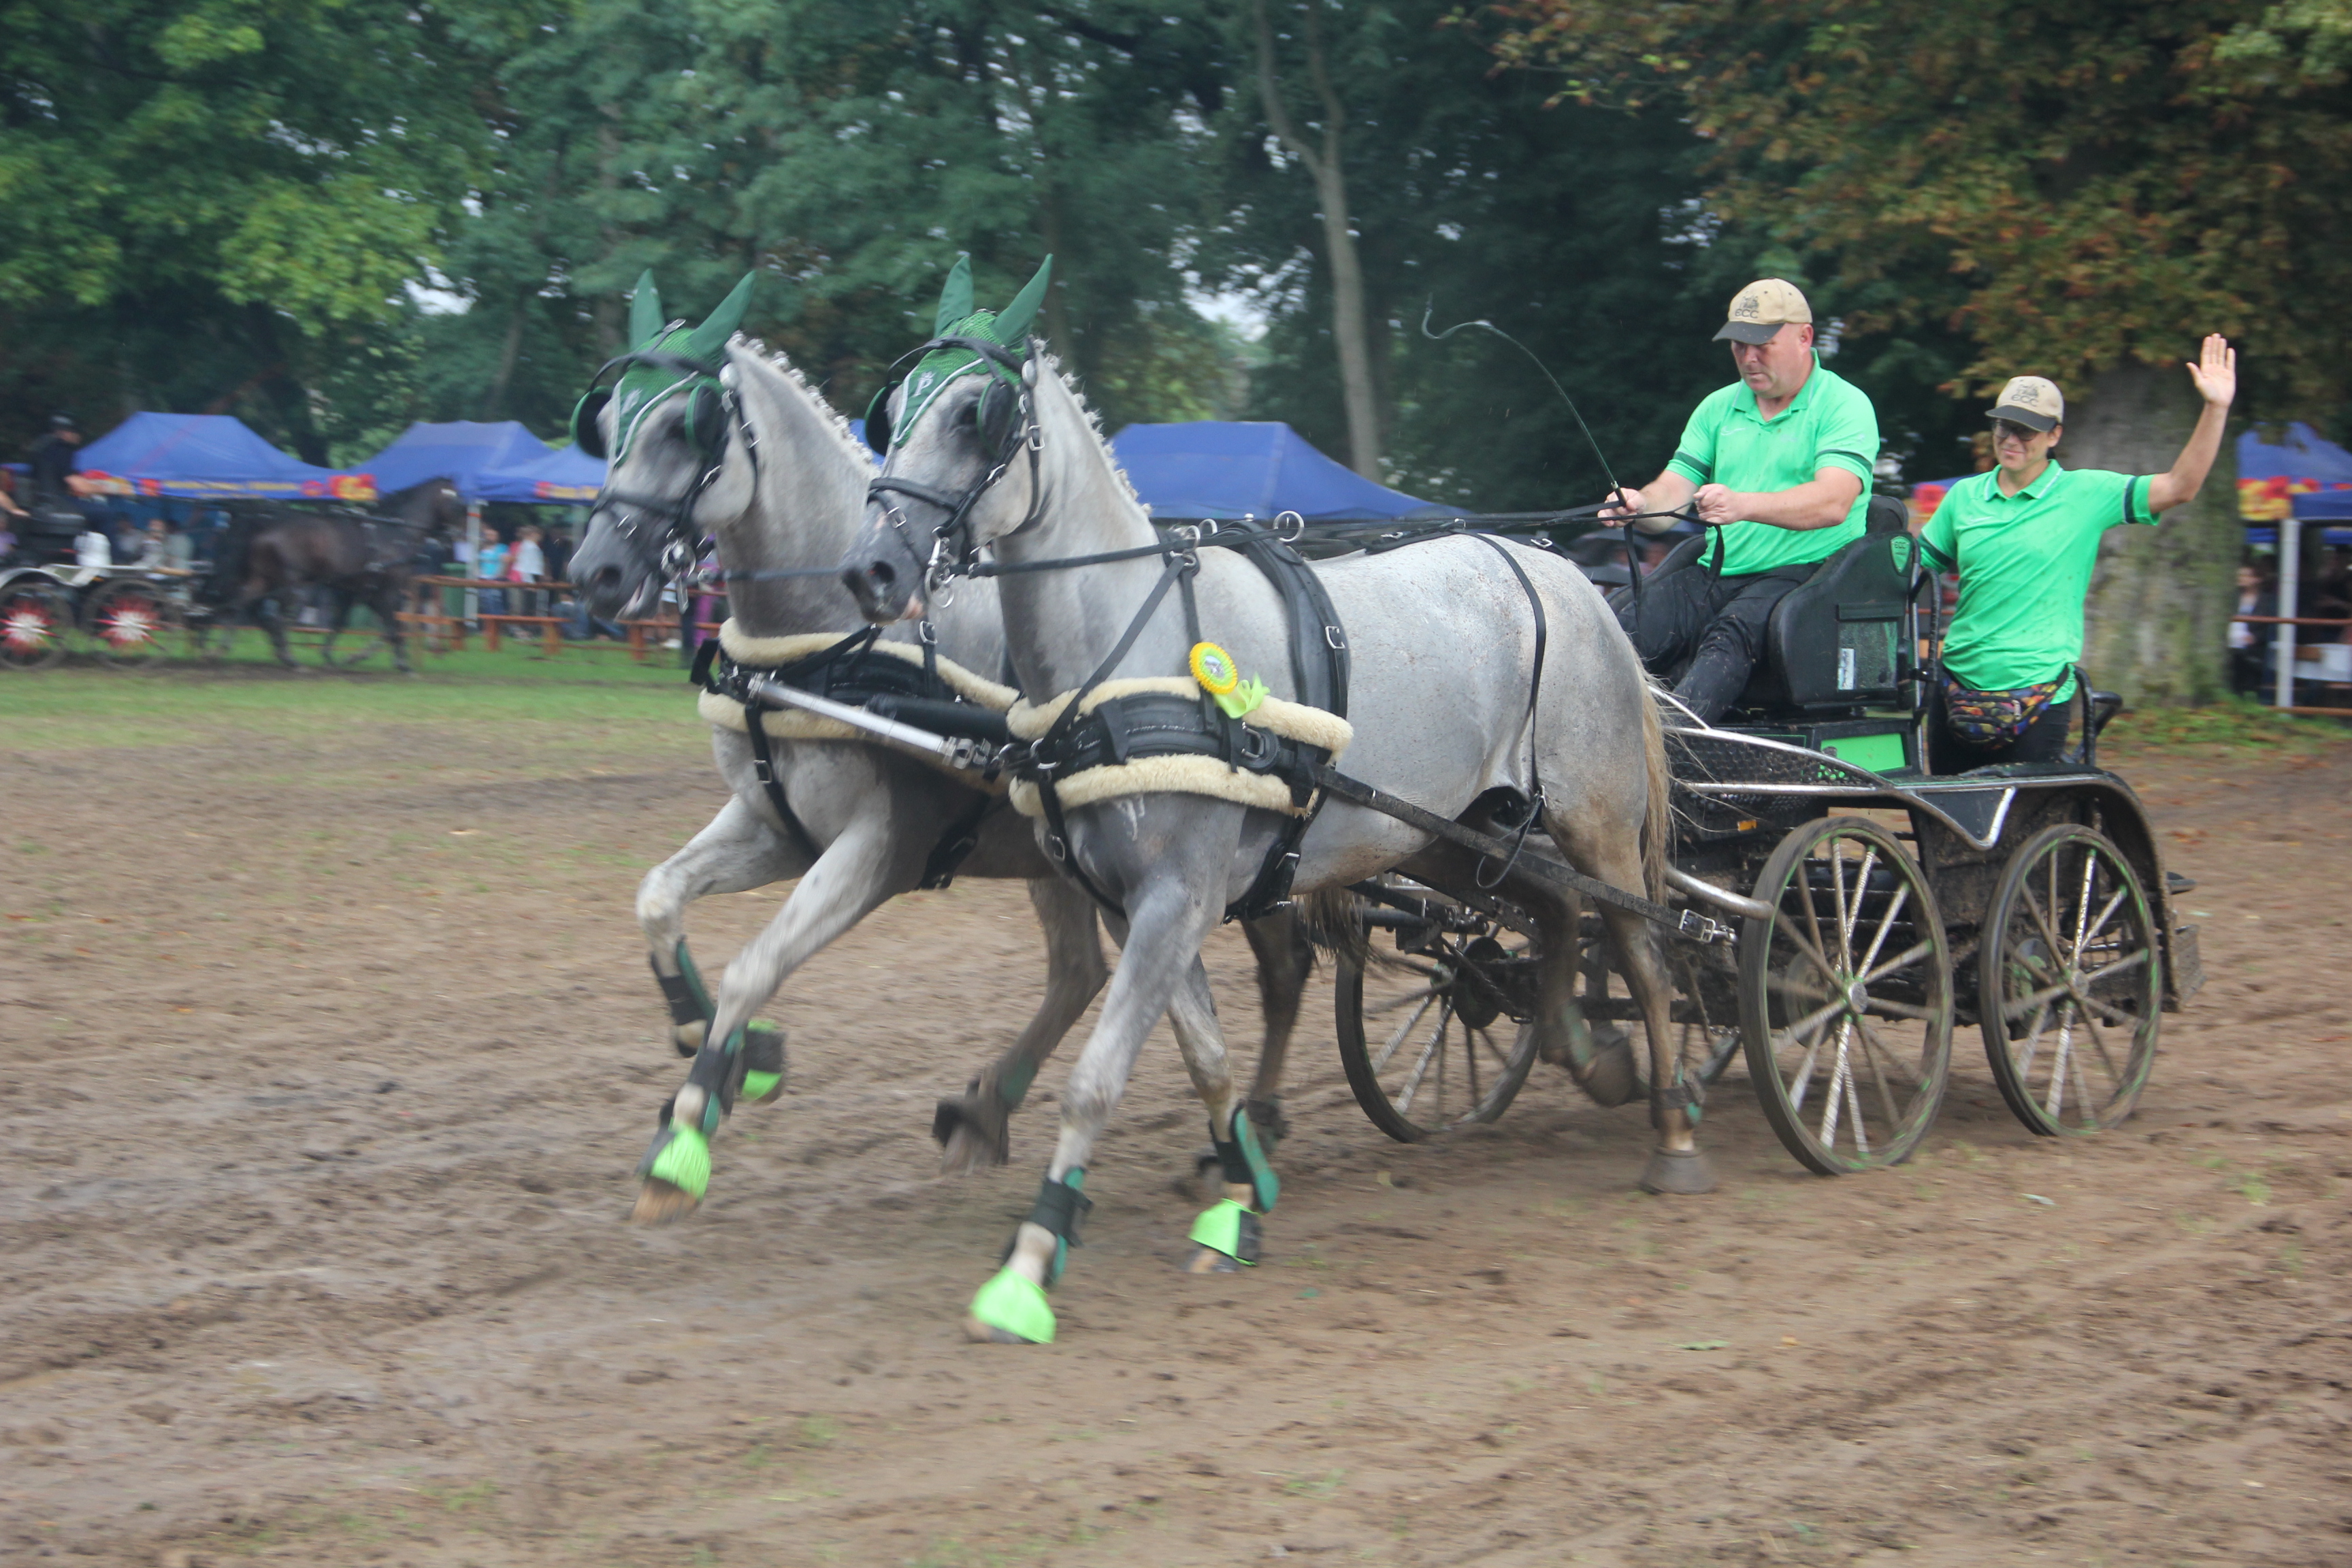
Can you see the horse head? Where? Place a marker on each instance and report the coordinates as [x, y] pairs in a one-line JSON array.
[[962, 436], [669, 430]]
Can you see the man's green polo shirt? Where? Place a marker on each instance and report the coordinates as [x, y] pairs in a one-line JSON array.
[[2026, 565], [1829, 424]]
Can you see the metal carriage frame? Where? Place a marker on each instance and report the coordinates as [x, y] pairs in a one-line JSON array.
[[2030, 900]]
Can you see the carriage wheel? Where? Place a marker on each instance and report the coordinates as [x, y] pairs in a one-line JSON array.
[[1434, 1039], [1846, 997], [129, 621], [33, 622], [2072, 982]]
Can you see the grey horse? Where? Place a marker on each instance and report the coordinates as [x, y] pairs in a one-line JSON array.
[[781, 482], [1444, 642]]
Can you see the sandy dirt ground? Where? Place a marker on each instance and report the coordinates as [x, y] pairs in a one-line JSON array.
[[326, 1058]]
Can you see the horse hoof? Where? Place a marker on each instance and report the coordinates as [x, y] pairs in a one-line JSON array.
[[968, 1144], [981, 1334], [660, 1202], [1612, 1080], [1679, 1172], [1209, 1260]]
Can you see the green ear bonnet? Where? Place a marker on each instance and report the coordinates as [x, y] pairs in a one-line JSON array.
[[1004, 339], [665, 360]]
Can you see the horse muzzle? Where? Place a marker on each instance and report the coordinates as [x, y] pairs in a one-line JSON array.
[[883, 576]]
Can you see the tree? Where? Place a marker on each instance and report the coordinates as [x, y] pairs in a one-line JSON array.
[[2084, 189], [201, 201]]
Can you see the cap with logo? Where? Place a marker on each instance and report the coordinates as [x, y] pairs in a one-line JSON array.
[[2029, 400], [1762, 309]]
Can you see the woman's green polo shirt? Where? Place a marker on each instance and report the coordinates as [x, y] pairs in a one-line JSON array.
[[2025, 566], [1829, 424]]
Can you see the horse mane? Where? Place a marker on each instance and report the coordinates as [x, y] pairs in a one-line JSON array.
[[1094, 424], [776, 360]]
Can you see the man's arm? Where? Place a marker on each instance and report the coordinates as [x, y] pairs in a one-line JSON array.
[[1670, 491], [2217, 382], [1821, 501]]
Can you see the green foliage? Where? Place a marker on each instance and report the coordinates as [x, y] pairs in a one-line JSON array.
[[2080, 185]]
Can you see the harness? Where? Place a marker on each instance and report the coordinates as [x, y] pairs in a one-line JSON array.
[[850, 671]]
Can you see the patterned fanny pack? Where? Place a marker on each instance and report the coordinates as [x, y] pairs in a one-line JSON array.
[[1982, 718]]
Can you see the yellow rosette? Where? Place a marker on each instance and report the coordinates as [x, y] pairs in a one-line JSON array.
[[1214, 668]]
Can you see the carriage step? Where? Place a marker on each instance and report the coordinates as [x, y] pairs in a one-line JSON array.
[[2176, 884]]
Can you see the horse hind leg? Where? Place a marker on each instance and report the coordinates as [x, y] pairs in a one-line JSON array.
[[1285, 959], [974, 1129], [386, 604]]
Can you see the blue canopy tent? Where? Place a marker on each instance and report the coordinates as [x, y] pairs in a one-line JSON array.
[[2271, 477], [464, 452], [1217, 468], [566, 476], [208, 457]]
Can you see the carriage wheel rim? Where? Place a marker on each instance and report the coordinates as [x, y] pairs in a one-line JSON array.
[[2072, 982], [1847, 997], [1418, 1062]]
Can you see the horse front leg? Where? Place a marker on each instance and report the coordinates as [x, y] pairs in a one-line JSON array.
[[386, 605], [1171, 911], [736, 853], [974, 1130], [865, 865], [261, 606]]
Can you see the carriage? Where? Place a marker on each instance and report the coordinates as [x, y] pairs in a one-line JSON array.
[[1844, 910], [125, 614]]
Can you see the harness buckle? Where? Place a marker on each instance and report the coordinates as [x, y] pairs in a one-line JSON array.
[[1295, 533], [1334, 640]]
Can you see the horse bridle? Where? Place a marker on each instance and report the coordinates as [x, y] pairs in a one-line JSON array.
[[713, 413], [1009, 403]]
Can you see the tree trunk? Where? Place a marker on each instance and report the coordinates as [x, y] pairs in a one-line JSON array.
[[1326, 167], [494, 399], [2158, 617]]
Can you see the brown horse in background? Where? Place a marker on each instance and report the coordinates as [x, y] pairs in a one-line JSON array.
[[272, 559]]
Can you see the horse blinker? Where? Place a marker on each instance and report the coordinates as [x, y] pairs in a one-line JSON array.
[[588, 422]]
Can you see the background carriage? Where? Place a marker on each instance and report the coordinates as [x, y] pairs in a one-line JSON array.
[[1871, 908]]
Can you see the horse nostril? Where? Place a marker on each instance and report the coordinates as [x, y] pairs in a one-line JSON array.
[[880, 575]]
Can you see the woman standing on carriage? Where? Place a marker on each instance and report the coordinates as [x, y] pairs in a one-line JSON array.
[[2023, 538]]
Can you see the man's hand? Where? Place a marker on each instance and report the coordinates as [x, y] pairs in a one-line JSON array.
[[1720, 503], [2216, 373], [1621, 503]]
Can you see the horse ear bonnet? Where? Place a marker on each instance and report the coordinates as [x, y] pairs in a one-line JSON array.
[[644, 312]]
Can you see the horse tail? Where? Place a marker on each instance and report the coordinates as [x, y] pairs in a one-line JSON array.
[[1657, 822]]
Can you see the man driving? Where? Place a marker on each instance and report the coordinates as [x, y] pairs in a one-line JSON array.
[[1781, 460], [2023, 539]]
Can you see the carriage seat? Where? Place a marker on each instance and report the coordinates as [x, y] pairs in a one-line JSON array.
[[1833, 641]]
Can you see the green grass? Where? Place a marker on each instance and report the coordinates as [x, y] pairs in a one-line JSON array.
[[70, 707], [2234, 723]]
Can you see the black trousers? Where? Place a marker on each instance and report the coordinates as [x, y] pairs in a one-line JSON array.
[[2045, 740], [1716, 622]]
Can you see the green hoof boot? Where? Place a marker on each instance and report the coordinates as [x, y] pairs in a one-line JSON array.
[[676, 1172], [763, 1061], [1010, 1310], [1226, 1238]]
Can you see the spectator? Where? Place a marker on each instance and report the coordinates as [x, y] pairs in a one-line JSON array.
[[7, 540], [91, 548], [559, 553], [2248, 645], [490, 566], [527, 565]]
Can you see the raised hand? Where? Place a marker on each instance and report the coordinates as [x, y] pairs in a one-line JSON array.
[[2216, 372]]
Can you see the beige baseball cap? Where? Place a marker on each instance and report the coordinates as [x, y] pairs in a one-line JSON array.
[[1762, 309], [2030, 400]]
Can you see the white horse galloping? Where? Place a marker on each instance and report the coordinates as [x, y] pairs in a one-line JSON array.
[[992, 453], [707, 434]]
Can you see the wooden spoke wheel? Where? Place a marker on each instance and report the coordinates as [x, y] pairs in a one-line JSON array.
[[33, 618], [1440, 1035], [128, 621], [1846, 997], [2070, 981]]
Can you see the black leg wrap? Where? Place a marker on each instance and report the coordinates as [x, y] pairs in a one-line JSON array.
[[674, 991], [1235, 1163], [1060, 1208], [1265, 1115], [763, 1050]]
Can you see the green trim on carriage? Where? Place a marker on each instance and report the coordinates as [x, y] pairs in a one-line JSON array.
[[1882, 753], [693, 977], [1014, 1304], [680, 1157], [1263, 1182], [1220, 1229]]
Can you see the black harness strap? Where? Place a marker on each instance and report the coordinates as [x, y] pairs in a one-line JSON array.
[[1535, 694], [763, 764]]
